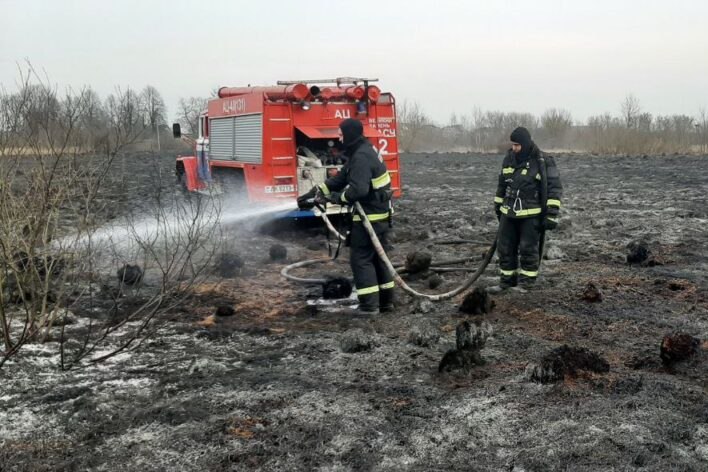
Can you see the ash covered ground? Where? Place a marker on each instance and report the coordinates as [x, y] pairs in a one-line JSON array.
[[281, 385]]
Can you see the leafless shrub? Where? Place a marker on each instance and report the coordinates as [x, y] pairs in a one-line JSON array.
[[173, 243], [55, 255]]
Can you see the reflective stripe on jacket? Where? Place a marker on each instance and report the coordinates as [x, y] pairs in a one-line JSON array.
[[519, 190], [364, 179]]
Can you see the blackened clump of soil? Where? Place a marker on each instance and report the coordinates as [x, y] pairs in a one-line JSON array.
[[677, 347], [566, 360], [592, 293], [434, 281], [470, 339], [225, 311], [476, 302], [355, 340], [229, 265], [639, 253], [278, 252], [43, 265], [337, 287], [424, 334], [130, 274], [417, 262]]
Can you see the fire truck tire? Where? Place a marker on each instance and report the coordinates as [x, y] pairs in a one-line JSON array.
[[180, 188], [182, 182]]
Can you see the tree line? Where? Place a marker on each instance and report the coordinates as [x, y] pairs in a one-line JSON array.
[[138, 118], [630, 131], [127, 117]]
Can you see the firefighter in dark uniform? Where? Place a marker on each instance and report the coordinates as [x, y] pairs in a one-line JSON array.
[[523, 214], [364, 179]]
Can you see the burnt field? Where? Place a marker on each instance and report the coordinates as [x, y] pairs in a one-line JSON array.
[[286, 385]]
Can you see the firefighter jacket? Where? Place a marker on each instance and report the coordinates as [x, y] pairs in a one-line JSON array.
[[519, 192], [364, 179]]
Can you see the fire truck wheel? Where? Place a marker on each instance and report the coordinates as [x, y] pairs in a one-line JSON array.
[[182, 182]]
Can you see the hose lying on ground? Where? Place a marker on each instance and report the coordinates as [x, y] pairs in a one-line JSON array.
[[442, 296], [382, 254], [285, 271]]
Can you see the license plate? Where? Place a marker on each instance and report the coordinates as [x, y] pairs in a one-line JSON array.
[[279, 188]]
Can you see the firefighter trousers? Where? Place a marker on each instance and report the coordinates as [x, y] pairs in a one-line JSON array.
[[518, 246], [373, 281]]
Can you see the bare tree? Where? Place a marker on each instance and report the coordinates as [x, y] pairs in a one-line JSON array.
[[556, 122], [512, 120], [702, 126], [454, 121], [411, 120], [644, 122], [125, 120], [188, 112], [153, 107], [630, 111]]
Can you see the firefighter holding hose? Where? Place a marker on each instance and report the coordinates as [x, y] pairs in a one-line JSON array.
[[364, 179], [527, 203]]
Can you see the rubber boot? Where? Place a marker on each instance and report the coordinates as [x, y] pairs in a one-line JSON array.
[[526, 283], [505, 283], [386, 300], [495, 289], [369, 304]]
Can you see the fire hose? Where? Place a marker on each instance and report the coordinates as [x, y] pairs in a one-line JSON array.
[[396, 275], [437, 297], [382, 254]]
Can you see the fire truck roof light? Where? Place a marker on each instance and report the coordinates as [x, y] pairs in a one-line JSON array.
[[339, 80]]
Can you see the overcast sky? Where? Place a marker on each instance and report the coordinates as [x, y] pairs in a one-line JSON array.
[[449, 56]]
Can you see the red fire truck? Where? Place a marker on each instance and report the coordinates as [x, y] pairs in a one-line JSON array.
[[270, 144]]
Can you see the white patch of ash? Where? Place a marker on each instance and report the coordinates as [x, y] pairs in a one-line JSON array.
[[128, 384], [396, 462], [17, 423]]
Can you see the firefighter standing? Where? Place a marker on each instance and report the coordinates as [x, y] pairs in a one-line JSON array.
[[523, 214], [364, 179]]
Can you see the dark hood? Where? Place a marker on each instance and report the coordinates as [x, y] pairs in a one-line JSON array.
[[522, 136], [352, 133]]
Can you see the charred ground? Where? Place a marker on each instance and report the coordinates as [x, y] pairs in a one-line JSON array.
[[281, 385]]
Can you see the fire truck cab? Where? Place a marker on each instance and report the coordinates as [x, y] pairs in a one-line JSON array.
[[271, 144]]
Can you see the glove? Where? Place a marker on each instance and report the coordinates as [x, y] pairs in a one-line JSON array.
[[497, 210], [321, 199], [307, 200], [550, 224], [335, 197]]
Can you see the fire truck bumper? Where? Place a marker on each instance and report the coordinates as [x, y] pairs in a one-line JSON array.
[[315, 212]]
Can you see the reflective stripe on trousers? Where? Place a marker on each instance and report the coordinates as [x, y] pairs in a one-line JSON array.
[[370, 272], [518, 247]]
